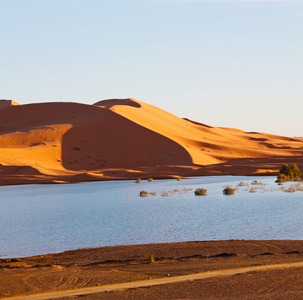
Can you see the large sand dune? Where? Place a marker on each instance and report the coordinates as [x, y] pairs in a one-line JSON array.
[[126, 139]]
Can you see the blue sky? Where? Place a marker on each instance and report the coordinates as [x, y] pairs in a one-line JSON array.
[[224, 63]]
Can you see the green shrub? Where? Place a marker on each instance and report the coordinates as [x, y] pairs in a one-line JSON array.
[[201, 192], [150, 179], [138, 180], [289, 173], [229, 190]]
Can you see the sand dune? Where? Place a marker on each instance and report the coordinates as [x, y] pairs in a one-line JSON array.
[[126, 139]]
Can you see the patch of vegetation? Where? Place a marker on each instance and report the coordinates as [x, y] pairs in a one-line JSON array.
[[143, 193], [291, 189], [150, 179], [229, 190], [76, 148], [200, 192], [289, 173], [151, 258], [138, 180], [255, 182], [294, 188], [179, 178], [175, 191]]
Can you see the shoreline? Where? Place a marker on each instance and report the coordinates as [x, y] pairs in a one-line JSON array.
[[91, 267], [57, 181]]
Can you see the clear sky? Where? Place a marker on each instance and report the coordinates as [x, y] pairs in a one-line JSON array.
[[224, 63]]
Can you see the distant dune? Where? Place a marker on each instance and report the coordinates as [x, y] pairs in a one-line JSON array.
[[124, 139]]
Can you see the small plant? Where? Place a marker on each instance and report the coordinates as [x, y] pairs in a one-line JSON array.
[[255, 182], [138, 180], [201, 192], [165, 194], [143, 193], [242, 183], [294, 188], [150, 179], [291, 189], [229, 190], [153, 193], [253, 190], [179, 178], [151, 258]]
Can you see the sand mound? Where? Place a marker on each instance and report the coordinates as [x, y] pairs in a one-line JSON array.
[[126, 138]]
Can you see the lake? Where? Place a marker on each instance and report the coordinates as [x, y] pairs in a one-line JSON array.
[[41, 219]]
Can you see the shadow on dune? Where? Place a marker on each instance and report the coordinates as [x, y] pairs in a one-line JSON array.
[[113, 102], [102, 139], [250, 166]]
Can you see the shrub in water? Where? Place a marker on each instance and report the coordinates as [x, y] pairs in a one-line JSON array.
[[143, 193], [201, 192], [229, 190], [253, 190], [289, 173], [138, 180], [150, 179]]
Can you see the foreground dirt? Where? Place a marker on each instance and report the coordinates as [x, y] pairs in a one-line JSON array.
[[111, 265]]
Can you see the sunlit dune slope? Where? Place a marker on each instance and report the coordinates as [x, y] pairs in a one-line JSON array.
[[205, 144], [126, 138]]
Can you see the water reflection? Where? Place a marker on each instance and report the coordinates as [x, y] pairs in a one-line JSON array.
[[39, 219]]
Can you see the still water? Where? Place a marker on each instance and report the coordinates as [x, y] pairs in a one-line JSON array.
[[40, 219]]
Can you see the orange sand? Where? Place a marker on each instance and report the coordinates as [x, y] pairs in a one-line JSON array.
[[126, 139]]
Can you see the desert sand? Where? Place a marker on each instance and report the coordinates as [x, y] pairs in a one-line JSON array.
[[62, 142], [126, 139], [213, 270]]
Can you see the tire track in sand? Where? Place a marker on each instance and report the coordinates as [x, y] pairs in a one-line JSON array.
[[151, 282]]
